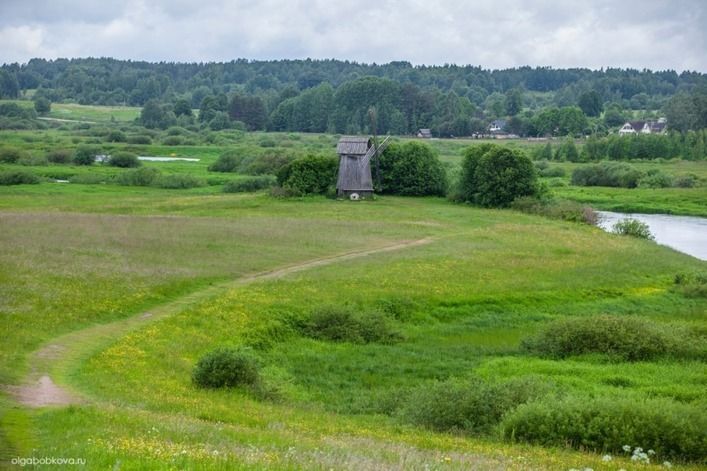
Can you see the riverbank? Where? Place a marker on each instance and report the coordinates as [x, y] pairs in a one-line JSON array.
[[673, 201]]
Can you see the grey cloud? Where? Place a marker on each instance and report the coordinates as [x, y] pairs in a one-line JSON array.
[[650, 34]]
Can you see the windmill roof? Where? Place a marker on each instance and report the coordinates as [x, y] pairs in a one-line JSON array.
[[353, 145]]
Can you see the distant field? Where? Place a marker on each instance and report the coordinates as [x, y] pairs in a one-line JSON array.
[[94, 113]]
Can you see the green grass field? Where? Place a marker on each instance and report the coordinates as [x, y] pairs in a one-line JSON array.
[[115, 292]]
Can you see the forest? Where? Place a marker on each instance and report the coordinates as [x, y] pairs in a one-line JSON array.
[[334, 96]]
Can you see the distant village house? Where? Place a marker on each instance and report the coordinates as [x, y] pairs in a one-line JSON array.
[[643, 127], [497, 126], [424, 133]]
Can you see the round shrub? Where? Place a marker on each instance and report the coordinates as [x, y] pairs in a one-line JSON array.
[[86, 154], [227, 162], [124, 160], [17, 177], [248, 184], [139, 139], [606, 424], [412, 169], [116, 135], [633, 228], [494, 176], [655, 179], [59, 156], [626, 338], [313, 174], [226, 368]]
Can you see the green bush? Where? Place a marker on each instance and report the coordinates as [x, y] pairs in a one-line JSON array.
[[227, 162], [226, 368], [412, 169], [124, 160], [178, 181], [313, 174], [614, 174], [248, 184], [173, 141], [144, 176], [633, 228], [17, 177], [140, 139], [60, 156], [625, 338], [494, 176], [472, 405], [339, 324], [116, 136], [10, 155], [606, 424], [86, 154]]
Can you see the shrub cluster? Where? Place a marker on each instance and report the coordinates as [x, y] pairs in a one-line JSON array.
[[17, 177], [606, 424], [471, 405], [623, 175], [86, 154], [556, 209], [494, 176], [626, 338], [313, 174], [633, 228], [614, 174], [340, 324], [226, 368], [250, 184], [123, 160], [412, 169]]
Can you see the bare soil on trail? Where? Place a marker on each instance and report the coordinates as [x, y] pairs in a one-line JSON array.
[[39, 390]]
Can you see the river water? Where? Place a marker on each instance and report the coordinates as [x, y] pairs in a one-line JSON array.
[[686, 234]]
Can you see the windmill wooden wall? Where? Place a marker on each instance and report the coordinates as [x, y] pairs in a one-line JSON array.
[[354, 168]]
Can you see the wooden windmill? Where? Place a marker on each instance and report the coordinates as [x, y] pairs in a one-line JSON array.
[[355, 154]]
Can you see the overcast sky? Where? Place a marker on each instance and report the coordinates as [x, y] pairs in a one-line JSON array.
[[492, 33]]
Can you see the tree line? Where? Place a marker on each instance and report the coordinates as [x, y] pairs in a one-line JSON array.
[[332, 95]]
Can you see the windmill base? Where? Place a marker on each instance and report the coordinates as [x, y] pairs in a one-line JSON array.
[[362, 194]]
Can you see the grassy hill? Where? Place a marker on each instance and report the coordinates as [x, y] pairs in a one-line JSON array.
[[397, 333]]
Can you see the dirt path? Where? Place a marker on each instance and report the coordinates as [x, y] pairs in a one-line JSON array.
[[55, 359]]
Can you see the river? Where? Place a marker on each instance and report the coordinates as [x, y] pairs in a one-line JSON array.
[[686, 234]]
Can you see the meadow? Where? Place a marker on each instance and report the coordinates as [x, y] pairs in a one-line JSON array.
[[131, 286]]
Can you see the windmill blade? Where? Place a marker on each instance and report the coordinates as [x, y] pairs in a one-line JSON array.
[[373, 151]]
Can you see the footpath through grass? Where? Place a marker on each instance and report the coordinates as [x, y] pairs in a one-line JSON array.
[[461, 304]]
